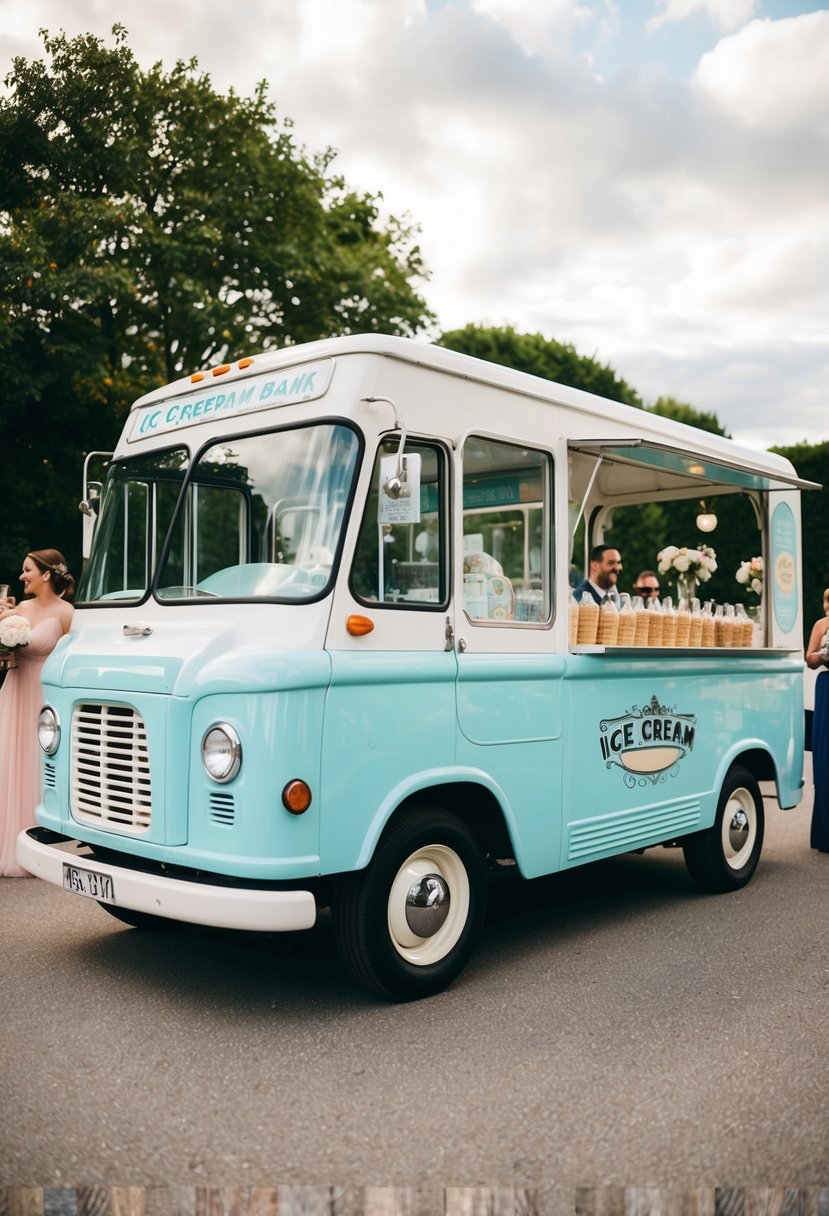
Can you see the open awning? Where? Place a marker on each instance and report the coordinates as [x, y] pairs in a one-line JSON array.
[[668, 468]]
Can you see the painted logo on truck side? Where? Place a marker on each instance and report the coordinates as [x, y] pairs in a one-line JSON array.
[[648, 742]]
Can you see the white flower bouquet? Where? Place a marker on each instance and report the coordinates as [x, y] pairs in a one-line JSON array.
[[688, 564], [750, 575], [15, 632]]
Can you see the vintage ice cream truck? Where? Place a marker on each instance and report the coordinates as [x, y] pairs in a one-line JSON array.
[[321, 657]]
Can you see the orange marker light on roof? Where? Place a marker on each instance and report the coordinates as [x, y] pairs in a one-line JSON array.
[[358, 625], [244, 363], [220, 371], [196, 377]]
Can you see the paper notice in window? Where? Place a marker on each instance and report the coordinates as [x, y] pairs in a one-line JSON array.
[[399, 498]]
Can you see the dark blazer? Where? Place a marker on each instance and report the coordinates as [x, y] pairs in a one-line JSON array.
[[586, 585]]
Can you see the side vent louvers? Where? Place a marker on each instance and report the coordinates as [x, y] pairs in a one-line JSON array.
[[222, 809]]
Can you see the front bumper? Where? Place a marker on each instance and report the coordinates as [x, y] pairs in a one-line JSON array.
[[44, 854]]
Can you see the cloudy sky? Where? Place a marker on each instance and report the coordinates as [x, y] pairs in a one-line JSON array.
[[647, 179]]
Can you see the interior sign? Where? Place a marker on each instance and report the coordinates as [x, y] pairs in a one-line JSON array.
[[647, 742]]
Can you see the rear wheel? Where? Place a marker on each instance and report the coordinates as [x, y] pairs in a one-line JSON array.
[[724, 856], [407, 924]]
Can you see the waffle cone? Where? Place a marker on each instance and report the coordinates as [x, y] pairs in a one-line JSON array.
[[588, 624], [608, 626]]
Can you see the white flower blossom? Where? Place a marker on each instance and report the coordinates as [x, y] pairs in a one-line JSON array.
[[750, 575], [15, 632], [699, 563]]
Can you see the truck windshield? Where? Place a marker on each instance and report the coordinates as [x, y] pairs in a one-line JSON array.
[[253, 517]]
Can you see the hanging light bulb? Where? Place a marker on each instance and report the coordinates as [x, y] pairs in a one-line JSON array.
[[706, 520]]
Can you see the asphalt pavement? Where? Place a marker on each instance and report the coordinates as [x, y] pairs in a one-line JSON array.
[[615, 1028]]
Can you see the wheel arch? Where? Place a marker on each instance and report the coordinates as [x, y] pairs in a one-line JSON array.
[[473, 798], [755, 758]]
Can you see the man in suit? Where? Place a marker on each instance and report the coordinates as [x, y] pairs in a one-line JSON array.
[[605, 568]]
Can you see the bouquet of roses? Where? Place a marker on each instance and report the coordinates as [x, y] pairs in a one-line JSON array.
[[15, 632], [697, 564], [750, 575]]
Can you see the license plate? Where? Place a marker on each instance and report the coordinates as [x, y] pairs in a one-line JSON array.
[[88, 882]]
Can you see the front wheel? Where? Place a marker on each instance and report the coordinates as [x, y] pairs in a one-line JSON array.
[[407, 924], [724, 856]]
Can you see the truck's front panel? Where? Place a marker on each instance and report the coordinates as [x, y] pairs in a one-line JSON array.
[[188, 634]]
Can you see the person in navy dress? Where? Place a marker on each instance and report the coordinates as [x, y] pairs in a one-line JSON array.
[[817, 657]]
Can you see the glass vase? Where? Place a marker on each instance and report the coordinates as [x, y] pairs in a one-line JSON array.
[[686, 588]]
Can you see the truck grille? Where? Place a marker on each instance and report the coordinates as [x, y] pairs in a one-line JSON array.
[[110, 768]]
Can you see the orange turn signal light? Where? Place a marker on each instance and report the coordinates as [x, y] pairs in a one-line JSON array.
[[296, 797], [358, 625]]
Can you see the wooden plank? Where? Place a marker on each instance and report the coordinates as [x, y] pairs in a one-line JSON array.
[[644, 1201], [773, 1201], [93, 1201], [170, 1201], [126, 1201], [600, 1201], [730, 1201], [399, 1201], [490, 1201], [26, 1201], [60, 1201], [388, 1201], [667, 1201], [308, 1200]]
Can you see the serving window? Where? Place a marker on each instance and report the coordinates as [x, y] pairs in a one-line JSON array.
[[506, 532]]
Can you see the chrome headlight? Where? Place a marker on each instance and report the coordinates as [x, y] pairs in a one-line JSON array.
[[48, 730], [221, 752]]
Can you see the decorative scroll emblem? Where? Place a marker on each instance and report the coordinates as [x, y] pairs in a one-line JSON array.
[[648, 742]]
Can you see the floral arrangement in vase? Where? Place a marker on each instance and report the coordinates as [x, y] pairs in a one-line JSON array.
[[689, 565], [750, 575]]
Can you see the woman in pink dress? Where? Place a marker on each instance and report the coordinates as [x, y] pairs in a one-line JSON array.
[[46, 581]]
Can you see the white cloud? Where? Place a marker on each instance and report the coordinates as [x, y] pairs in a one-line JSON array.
[[773, 74], [537, 26], [725, 15], [677, 230]]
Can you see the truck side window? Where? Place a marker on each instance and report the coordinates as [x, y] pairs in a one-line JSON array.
[[405, 562], [506, 532]]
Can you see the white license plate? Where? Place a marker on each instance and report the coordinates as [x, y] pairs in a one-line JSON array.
[[88, 882]]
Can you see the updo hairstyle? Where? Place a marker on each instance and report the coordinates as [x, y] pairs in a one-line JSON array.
[[52, 562]]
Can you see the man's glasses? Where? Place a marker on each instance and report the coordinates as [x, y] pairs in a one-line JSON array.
[[646, 592]]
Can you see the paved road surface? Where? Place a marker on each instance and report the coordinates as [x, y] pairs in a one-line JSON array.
[[615, 1028]]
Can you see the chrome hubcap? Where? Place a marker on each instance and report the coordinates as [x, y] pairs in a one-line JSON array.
[[739, 828], [427, 905], [738, 831]]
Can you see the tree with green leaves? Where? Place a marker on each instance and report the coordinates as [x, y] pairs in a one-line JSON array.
[[149, 226], [540, 356], [681, 411]]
